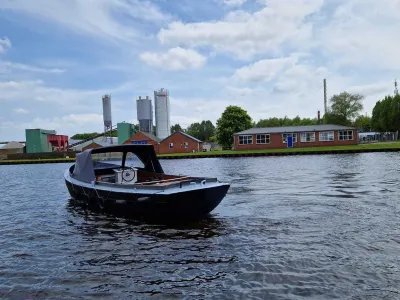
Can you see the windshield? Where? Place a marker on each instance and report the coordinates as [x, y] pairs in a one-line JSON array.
[[133, 161], [107, 160], [114, 160]]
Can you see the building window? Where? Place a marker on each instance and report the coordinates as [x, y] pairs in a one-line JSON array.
[[307, 137], [293, 135], [186, 144], [245, 139], [326, 136], [346, 135], [171, 145], [262, 139]]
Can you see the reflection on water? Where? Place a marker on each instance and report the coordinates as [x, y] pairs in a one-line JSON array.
[[315, 227], [98, 223]]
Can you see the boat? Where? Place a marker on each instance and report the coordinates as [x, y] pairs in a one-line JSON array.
[[129, 180]]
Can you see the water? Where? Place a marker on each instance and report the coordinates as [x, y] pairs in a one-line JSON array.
[[312, 227]]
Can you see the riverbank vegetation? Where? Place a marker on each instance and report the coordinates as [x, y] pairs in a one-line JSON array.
[[371, 146], [387, 146]]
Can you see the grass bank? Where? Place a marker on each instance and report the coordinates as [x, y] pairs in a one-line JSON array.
[[37, 161], [375, 147]]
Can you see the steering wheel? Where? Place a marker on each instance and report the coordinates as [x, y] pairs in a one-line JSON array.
[[128, 172]]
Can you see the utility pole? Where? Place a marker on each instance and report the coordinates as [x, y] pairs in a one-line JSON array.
[[325, 101]]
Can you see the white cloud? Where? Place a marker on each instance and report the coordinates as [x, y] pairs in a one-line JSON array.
[[234, 2], [363, 33], [263, 70], [66, 125], [174, 59], [67, 100], [4, 44], [183, 121], [22, 111], [99, 18], [69, 123], [7, 67], [378, 88], [290, 50], [246, 35]]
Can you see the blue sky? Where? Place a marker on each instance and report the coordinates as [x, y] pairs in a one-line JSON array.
[[57, 58]]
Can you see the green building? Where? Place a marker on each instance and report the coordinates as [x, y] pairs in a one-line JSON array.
[[37, 140], [125, 131]]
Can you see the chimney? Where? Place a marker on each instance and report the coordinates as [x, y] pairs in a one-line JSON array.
[[319, 116]]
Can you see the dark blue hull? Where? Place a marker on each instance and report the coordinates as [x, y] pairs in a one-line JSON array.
[[185, 205]]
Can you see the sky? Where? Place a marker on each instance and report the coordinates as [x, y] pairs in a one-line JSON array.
[[58, 57]]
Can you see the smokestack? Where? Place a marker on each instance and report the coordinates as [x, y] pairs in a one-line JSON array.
[[319, 116]]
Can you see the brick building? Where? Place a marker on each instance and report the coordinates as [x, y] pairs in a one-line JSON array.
[[180, 142], [302, 136], [144, 138]]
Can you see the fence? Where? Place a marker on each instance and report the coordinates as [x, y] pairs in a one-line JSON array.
[[377, 137]]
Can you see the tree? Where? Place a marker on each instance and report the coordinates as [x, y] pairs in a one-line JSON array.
[[277, 122], [194, 130], [176, 128], [213, 139], [375, 119], [337, 119], [84, 136], [202, 131], [346, 106], [386, 114], [207, 130], [363, 123], [232, 120]]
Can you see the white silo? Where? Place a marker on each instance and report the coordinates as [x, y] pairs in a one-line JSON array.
[[162, 112], [107, 115], [144, 110]]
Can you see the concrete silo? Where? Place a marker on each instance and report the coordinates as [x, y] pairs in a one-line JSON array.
[[162, 112], [144, 110], [107, 116]]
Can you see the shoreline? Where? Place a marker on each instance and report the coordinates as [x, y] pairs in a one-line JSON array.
[[281, 153], [363, 148]]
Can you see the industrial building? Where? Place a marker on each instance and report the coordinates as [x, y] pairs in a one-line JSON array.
[[295, 136], [41, 140], [162, 113], [144, 110], [125, 131], [11, 148]]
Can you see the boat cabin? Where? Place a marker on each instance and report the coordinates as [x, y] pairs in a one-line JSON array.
[[122, 165]]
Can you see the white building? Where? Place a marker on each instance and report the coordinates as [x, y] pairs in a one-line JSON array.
[[162, 112]]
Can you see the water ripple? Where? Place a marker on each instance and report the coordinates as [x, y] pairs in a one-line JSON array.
[[315, 227]]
